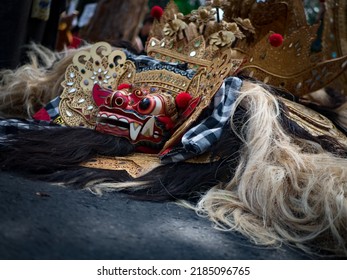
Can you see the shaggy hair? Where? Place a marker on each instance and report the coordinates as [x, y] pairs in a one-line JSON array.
[[274, 182], [26, 89], [285, 189]]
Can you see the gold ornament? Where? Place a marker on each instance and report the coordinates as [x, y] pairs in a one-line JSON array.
[[291, 66]]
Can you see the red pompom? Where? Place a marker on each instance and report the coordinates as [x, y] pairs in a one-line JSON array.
[[123, 86], [276, 39], [157, 12], [182, 99]]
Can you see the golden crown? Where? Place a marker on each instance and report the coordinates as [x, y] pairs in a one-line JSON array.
[[272, 39]]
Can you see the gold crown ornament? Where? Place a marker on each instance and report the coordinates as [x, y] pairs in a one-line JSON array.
[[272, 38]]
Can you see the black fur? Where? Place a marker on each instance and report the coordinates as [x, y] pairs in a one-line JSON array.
[[55, 155], [53, 149]]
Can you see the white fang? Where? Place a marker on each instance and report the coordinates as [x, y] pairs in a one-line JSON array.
[[148, 128], [134, 130]]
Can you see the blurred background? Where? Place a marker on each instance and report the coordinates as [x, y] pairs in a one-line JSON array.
[[59, 24]]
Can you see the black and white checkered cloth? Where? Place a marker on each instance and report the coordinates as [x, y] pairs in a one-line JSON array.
[[52, 108], [201, 137]]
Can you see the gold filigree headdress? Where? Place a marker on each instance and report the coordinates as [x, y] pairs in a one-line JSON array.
[[272, 38]]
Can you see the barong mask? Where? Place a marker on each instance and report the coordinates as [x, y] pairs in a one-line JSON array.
[[151, 106]]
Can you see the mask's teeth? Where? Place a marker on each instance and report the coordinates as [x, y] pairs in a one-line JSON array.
[[135, 129], [148, 128], [124, 121], [112, 118]]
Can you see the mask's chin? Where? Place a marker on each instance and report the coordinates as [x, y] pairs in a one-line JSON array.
[[139, 130]]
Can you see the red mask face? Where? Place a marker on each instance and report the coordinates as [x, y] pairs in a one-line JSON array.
[[145, 117]]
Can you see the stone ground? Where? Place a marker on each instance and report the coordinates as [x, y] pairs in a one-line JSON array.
[[44, 221]]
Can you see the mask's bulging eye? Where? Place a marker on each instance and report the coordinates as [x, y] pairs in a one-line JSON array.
[[151, 105], [145, 104]]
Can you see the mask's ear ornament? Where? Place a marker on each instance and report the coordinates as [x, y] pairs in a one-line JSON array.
[[100, 94]]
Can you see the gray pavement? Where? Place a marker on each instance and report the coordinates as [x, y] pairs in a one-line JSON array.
[[44, 221]]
